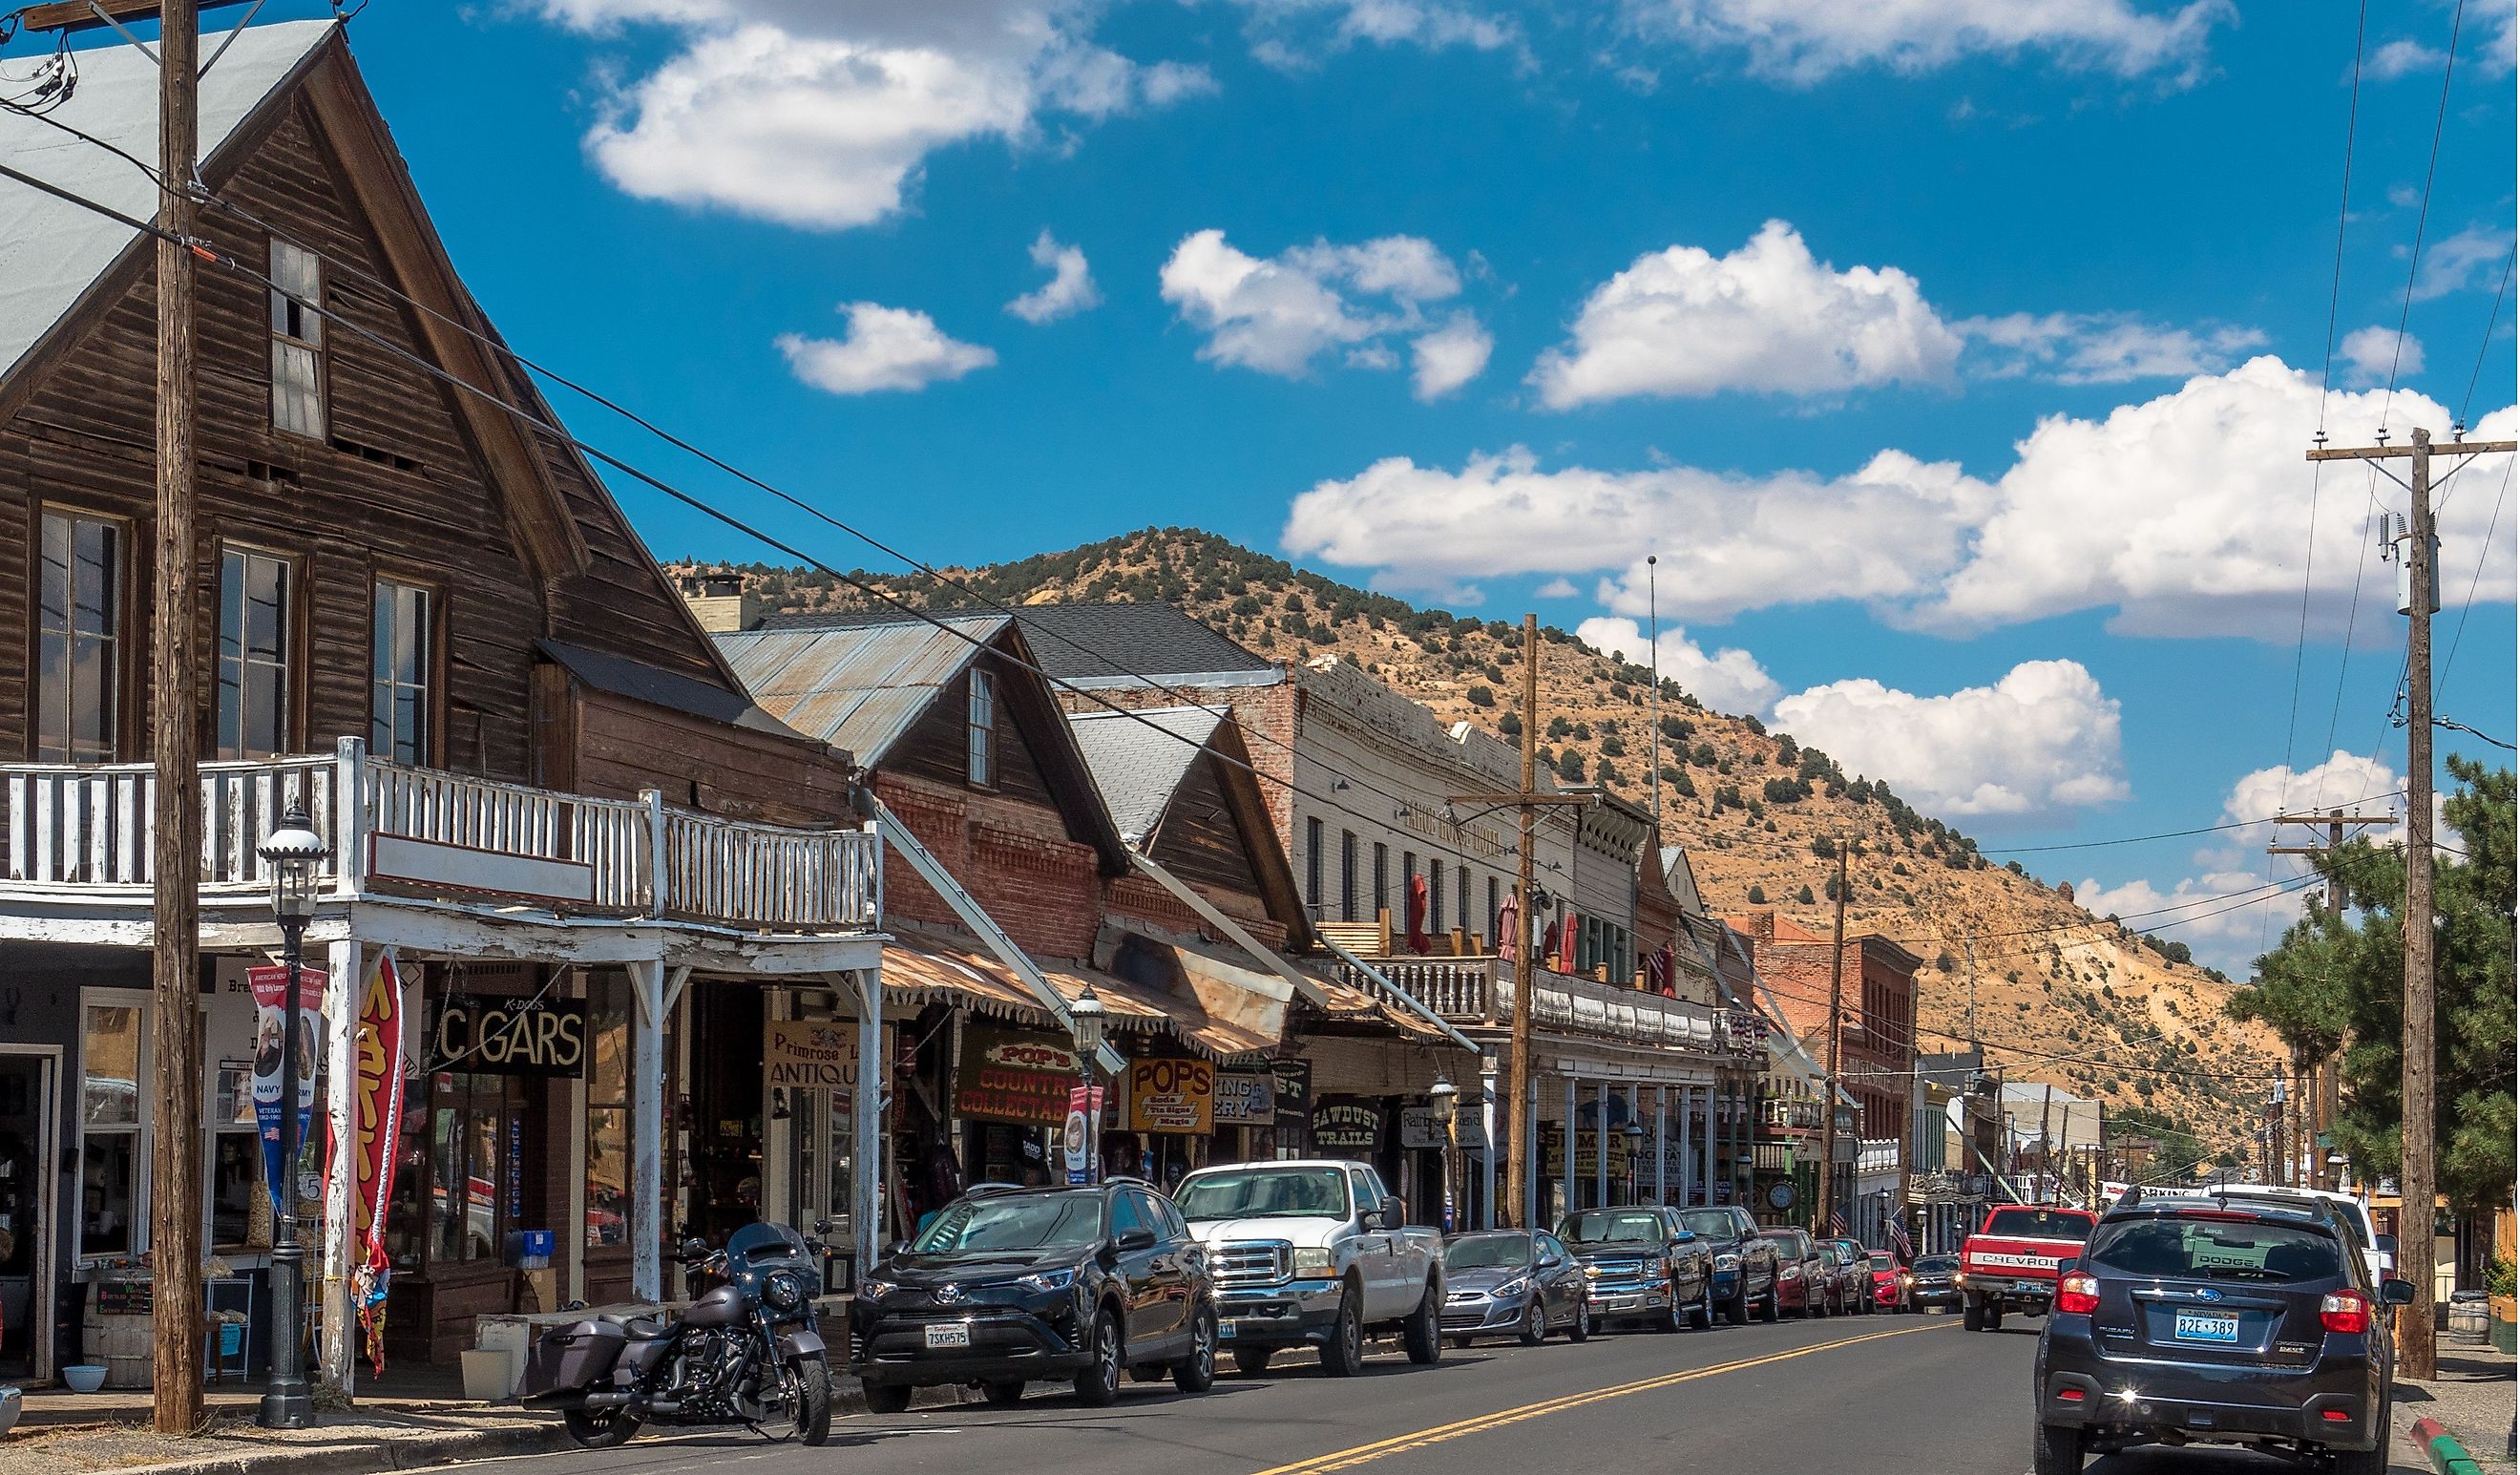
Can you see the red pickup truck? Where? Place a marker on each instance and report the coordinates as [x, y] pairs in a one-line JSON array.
[[2010, 1263]]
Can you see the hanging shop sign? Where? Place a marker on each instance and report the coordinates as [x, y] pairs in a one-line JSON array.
[[538, 1036], [1245, 1099], [1347, 1127], [1177, 1097], [812, 1054], [1587, 1151], [1014, 1076], [1292, 1082], [1422, 1125]]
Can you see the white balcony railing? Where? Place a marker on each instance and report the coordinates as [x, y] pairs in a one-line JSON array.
[[90, 829], [1480, 992]]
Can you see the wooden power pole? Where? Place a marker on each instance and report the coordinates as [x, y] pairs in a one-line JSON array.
[[2319, 1098], [2418, 1356], [1521, 1139], [1836, 1007], [175, 1192]]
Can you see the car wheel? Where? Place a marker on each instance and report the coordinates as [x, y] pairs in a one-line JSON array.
[[1343, 1354], [1772, 1308], [1581, 1328], [1534, 1323], [888, 1398], [1973, 1314], [1003, 1393], [1251, 1361], [1737, 1310], [1702, 1314], [1993, 1316], [2058, 1451], [1098, 1383], [1196, 1373], [1422, 1335], [2371, 1461], [1679, 1317]]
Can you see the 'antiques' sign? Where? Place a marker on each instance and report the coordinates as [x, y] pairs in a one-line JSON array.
[[1245, 1099], [812, 1054], [1010, 1076], [541, 1036], [1172, 1095], [1347, 1127]]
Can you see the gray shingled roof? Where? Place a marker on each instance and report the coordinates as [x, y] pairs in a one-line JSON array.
[[52, 251], [1140, 767], [1116, 640]]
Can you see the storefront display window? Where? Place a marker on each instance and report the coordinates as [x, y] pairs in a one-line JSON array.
[[109, 1154], [607, 1114], [468, 1116]]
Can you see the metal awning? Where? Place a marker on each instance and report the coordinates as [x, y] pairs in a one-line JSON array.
[[922, 970]]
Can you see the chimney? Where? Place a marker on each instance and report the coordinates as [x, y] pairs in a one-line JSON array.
[[1763, 925], [720, 602]]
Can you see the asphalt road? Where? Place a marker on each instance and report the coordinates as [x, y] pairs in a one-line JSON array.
[[1877, 1396]]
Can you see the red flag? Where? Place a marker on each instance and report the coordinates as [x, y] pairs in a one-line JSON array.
[[1417, 940], [1509, 932], [1566, 944], [1658, 970]]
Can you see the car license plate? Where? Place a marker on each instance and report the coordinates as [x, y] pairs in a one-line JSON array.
[[1225, 1331], [2193, 1327], [949, 1334]]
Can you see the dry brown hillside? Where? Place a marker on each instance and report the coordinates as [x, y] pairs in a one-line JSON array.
[[2061, 996]]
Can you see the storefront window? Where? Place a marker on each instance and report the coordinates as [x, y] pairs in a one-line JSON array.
[[467, 1115], [109, 1124], [607, 1114]]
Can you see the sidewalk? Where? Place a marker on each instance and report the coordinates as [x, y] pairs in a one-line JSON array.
[[78, 1434], [2472, 1399]]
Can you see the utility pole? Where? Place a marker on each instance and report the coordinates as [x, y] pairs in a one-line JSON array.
[[2046, 1145], [1907, 1102], [2416, 1354], [1836, 1007], [2319, 1099], [1653, 708], [1969, 945], [176, 1195], [1521, 1181]]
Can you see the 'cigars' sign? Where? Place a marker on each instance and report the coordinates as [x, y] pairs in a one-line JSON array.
[[510, 1037]]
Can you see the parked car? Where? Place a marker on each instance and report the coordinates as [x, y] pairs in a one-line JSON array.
[[1012, 1285], [1643, 1265], [1888, 1290], [2010, 1263], [1932, 1283], [1800, 1272], [1508, 1283], [1314, 1253], [2213, 1320], [1745, 1262], [1854, 1265]]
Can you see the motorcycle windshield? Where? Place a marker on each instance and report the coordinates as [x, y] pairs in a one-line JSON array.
[[766, 1245]]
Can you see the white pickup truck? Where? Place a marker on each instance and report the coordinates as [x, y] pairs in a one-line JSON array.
[[1313, 1254]]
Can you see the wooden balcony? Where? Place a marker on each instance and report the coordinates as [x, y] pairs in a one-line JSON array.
[[1477, 993], [85, 831]]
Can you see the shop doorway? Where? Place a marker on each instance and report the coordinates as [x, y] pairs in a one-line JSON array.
[[726, 1021], [27, 1076]]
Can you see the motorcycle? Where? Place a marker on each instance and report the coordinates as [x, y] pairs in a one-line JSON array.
[[747, 1351]]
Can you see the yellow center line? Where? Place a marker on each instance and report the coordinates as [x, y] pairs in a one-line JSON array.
[[1343, 1460]]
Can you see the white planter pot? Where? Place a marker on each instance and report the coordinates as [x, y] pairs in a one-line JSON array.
[[489, 1375]]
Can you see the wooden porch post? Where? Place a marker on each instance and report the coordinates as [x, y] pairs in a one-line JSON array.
[[647, 1130], [866, 1123]]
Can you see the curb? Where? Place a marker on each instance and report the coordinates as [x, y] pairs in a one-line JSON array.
[[423, 1450], [2447, 1455]]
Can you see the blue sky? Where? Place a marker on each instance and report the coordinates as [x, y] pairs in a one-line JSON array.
[[1479, 302]]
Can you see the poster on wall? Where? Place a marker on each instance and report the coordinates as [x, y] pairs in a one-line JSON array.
[[1245, 1099], [1014, 1076], [270, 986], [1347, 1127], [1177, 1097]]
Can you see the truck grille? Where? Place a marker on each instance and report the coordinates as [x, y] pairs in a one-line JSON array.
[[1253, 1262]]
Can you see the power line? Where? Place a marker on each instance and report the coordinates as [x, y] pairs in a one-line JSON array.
[[2493, 321], [2423, 209], [2169, 834], [2482, 554]]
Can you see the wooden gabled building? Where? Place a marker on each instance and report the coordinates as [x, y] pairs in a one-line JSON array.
[[422, 619]]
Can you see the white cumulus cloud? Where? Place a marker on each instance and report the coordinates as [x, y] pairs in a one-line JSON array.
[[883, 349], [821, 116], [1279, 315], [2377, 355], [2102, 348], [1728, 680], [1070, 289], [1767, 318], [2041, 740], [1801, 41]]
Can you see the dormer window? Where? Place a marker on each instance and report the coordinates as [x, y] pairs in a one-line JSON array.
[[296, 341], [980, 730]]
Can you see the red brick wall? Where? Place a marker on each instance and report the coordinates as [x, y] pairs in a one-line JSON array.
[[1135, 898], [1013, 858]]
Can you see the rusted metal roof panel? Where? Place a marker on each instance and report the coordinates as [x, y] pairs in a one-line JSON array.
[[859, 687], [918, 970]]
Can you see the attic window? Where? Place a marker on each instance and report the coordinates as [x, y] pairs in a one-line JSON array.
[[296, 341], [981, 729]]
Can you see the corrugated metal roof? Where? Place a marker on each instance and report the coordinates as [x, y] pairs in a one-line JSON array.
[[859, 688], [1138, 765], [51, 251], [918, 970]]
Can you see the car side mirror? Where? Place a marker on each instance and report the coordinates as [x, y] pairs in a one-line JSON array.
[[1552, 1262], [2396, 1292], [1132, 1241], [1393, 1215], [2068, 1265], [2386, 1244]]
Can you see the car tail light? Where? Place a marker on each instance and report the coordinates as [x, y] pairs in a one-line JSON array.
[[2078, 1295], [2347, 1311]]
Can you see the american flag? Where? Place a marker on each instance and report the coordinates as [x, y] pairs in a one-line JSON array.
[[1899, 1238], [1837, 1226]]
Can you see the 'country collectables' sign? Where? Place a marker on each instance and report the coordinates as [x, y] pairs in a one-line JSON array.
[[1014, 1076]]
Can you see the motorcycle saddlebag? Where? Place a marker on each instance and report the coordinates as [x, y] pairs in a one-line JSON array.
[[572, 1358]]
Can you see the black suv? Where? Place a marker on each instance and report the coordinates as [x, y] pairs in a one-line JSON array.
[[1014, 1285], [1746, 1263], [2204, 1321]]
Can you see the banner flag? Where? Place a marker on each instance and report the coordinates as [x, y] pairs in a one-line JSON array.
[[378, 1126]]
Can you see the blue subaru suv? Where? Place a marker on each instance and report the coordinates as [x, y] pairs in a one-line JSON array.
[[2193, 1321]]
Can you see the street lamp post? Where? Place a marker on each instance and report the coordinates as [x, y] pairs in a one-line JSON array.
[[1087, 1020], [1444, 1097], [293, 854], [1636, 1135]]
